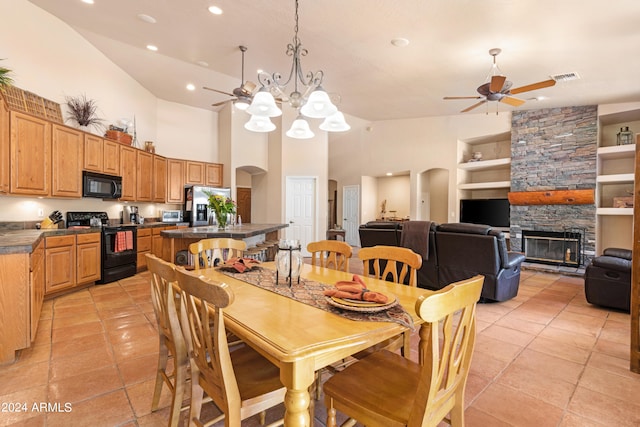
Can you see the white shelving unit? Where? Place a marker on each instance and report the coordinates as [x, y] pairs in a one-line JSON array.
[[615, 178], [489, 177]]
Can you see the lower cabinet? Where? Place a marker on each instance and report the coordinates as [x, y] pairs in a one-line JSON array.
[[22, 285], [71, 261], [144, 247]]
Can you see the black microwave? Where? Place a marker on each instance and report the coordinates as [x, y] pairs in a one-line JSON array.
[[101, 186]]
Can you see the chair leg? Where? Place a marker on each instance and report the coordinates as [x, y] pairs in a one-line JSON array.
[[163, 356], [457, 412], [180, 383], [196, 399], [406, 345], [331, 415]]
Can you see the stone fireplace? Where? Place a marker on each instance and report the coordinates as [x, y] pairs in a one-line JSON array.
[[554, 149], [553, 247]]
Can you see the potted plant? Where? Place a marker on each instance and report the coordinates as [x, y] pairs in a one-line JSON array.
[[222, 208], [83, 111], [5, 77]]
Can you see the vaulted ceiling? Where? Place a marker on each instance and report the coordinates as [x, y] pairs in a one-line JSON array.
[[350, 41]]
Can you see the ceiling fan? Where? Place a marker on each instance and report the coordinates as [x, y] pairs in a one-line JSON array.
[[241, 96], [498, 88]]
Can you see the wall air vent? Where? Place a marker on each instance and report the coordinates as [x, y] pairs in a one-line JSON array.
[[566, 77]]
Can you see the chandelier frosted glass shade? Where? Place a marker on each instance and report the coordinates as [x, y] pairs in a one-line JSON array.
[[300, 129], [318, 106], [264, 104], [259, 124], [242, 103], [335, 123]]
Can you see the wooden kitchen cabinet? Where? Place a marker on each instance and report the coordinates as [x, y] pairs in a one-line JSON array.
[[111, 164], [128, 167], [144, 179], [213, 176], [175, 181], [195, 173], [37, 281], [144, 247], [157, 241], [60, 263], [67, 148], [159, 179], [22, 284], [88, 253], [93, 153], [30, 155], [4, 147]]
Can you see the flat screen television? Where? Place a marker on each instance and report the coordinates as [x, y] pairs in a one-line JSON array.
[[493, 212]]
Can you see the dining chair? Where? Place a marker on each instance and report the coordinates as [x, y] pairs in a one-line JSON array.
[[241, 383], [393, 264], [388, 390], [163, 295], [207, 251], [330, 254]]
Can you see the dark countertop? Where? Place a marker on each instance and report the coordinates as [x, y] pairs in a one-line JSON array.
[[236, 232], [25, 241]]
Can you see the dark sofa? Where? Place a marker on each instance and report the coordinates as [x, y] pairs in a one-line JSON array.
[[457, 251]]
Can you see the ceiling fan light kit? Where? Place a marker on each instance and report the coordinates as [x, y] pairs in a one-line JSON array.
[[259, 124], [498, 88], [312, 101]]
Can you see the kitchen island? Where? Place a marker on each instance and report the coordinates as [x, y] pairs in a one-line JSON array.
[[179, 239]]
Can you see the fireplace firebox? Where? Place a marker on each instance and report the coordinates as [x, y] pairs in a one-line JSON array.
[[554, 247]]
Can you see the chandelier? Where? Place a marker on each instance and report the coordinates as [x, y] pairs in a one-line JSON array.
[[308, 98]]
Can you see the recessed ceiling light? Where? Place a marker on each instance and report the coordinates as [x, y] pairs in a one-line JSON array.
[[202, 63], [215, 10], [191, 86], [400, 42], [152, 47], [389, 174], [147, 18], [87, 1]]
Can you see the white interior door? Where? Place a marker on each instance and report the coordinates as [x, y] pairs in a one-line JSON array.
[[351, 213], [301, 210]]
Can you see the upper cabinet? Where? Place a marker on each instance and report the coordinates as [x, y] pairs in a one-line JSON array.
[[175, 181], [159, 179], [128, 163], [4, 147], [144, 179], [484, 167], [66, 161], [615, 181], [30, 155], [195, 173], [213, 174]]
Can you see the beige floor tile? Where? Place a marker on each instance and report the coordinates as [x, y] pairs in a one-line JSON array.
[[547, 365], [617, 331], [112, 409], [559, 349], [125, 322], [612, 348], [578, 323], [517, 408], [80, 362], [498, 348], [134, 349], [73, 319], [134, 333], [508, 335], [140, 369], [76, 331], [70, 347], [86, 385], [474, 417], [546, 388], [612, 364], [520, 325], [604, 409], [565, 336], [624, 388], [23, 414], [22, 376], [487, 366], [574, 420]]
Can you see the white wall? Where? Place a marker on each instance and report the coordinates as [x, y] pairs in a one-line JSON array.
[[413, 145], [395, 190]]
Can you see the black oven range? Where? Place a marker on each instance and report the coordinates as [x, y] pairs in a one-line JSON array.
[[119, 246]]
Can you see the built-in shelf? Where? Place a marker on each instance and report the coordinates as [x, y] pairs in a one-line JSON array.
[[484, 185], [620, 178], [614, 211], [485, 164], [617, 151]]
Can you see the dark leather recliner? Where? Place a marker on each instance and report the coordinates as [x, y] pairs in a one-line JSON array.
[[465, 250], [607, 279], [385, 233]]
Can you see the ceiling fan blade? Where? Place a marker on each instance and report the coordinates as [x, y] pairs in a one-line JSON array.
[[512, 101], [217, 104], [474, 106], [462, 97], [216, 90], [533, 86], [496, 83]]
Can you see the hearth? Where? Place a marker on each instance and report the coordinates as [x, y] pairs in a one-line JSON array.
[[554, 247]]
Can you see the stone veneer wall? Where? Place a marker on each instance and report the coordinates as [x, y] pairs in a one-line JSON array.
[[554, 149]]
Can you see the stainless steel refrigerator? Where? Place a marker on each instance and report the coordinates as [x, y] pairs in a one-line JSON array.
[[196, 205]]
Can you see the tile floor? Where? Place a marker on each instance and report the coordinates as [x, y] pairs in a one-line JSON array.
[[544, 358]]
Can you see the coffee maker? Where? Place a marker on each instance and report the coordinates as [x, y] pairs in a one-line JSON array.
[[130, 215]]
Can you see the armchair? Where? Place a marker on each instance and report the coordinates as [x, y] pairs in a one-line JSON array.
[[608, 279]]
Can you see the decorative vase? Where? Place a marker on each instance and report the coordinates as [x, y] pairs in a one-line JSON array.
[[289, 261], [221, 219]]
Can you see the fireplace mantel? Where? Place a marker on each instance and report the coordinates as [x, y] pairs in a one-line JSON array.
[[552, 197]]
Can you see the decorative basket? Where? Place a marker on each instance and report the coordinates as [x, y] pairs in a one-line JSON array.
[[28, 102], [121, 137]]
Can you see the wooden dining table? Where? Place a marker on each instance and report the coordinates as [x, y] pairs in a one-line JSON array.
[[300, 338]]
